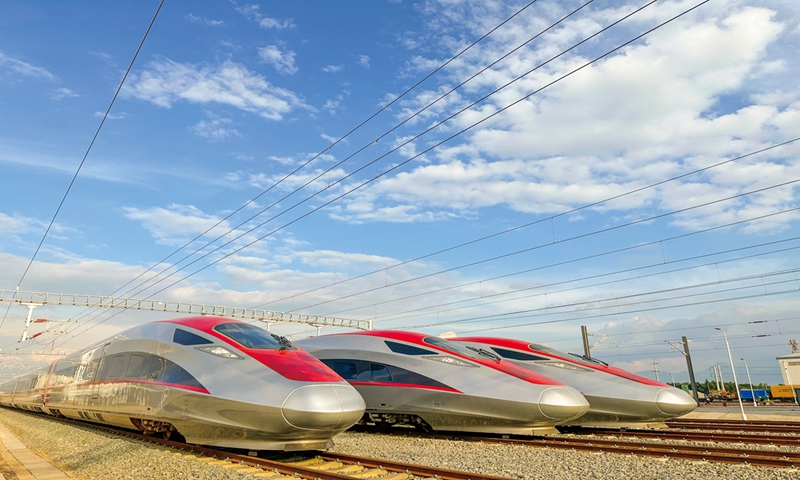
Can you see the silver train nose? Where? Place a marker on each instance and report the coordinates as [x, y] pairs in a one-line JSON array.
[[674, 402], [562, 403], [323, 407]]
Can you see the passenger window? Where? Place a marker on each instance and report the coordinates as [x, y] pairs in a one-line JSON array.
[[177, 375], [135, 366], [401, 375], [117, 366], [182, 337], [346, 370], [154, 369], [379, 373]]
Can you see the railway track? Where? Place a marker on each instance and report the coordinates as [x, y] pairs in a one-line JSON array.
[[692, 436], [711, 453], [313, 465], [737, 425]]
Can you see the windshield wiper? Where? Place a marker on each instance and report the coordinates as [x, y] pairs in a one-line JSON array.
[[588, 359], [485, 353], [285, 343]]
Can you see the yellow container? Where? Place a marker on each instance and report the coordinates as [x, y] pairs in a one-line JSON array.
[[781, 391]]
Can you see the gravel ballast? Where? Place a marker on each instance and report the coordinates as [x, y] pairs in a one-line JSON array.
[[87, 454], [517, 461]]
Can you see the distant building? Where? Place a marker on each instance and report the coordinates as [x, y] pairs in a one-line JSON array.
[[790, 368]]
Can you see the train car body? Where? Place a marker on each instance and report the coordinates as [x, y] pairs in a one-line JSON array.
[[784, 393], [415, 379], [215, 381], [616, 397]]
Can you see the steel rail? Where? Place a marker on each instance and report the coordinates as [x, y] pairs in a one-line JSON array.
[[715, 453], [690, 436], [738, 427], [735, 421]]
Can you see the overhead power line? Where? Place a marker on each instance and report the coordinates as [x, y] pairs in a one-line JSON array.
[[550, 244], [401, 164], [306, 163], [628, 312], [85, 155], [436, 145], [143, 285], [427, 310], [603, 303]]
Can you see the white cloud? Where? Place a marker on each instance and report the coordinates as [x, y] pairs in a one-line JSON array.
[[205, 21], [282, 160], [657, 109], [252, 11], [363, 60], [283, 61], [23, 68], [111, 116], [332, 68], [64, 93], [174, 224], [165, 82], [15, 225], [333, 105], [327, 137], [216, 128]]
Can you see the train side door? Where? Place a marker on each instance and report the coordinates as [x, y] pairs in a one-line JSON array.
[[98, 372]]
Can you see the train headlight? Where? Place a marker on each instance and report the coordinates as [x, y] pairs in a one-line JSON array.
[[219, 351], [449, 360], [565, 365]]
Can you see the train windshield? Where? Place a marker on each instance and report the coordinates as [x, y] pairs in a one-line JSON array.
[[453, 347], [570, 356], [253, 337]]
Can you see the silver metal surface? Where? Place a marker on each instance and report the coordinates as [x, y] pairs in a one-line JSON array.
[[245, 405], [613, 400]]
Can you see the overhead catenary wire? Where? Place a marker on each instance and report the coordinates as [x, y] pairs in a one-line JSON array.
[[422, 153], [399, 165], [85, 155], [327, 149], [408, 141], [667, 307], [589, 304], [550, 244], [568, 212], [426, 310], [642, 332], [435, 146]]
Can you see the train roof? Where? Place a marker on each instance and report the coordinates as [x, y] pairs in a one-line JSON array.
[[567, 357]]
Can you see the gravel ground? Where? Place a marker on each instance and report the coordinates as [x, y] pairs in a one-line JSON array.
[[539, 463], [91, 455], [85, 454]]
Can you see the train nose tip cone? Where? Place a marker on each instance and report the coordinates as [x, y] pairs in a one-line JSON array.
[[672, 401], [562, 403], [323, 407]]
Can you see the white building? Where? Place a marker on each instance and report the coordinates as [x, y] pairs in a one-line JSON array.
[[790, 368]]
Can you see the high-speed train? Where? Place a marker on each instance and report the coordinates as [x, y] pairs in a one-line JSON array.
[[431, 383], [214, 381], [616, 397]]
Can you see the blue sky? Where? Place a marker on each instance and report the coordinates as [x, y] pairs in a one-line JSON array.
[[228, 98]]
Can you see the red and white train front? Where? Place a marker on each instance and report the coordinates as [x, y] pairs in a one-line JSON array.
[[215, 381], [616, 397]]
